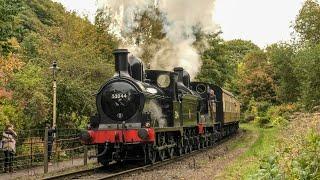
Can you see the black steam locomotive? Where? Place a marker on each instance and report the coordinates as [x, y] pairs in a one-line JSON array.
[[152, 115]]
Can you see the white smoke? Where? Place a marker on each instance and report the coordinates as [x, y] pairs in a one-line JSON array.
[[156, 112], [180, 54], [123, 13], [181, 15]]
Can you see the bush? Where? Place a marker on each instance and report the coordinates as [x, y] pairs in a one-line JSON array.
[[301, 161], [261, 121], [269, 169], [306, 164], [264, 114], [279, 115], [256, 112], [252, 112], [247, 118]]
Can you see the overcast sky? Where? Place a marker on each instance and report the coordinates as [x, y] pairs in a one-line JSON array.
[[261, 21]]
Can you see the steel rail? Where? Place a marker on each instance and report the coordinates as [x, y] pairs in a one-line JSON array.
[[72, 174], [148, 167], [165, 162]]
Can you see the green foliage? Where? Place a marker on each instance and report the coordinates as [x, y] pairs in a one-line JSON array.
[[27, 81], [236, 50], [308, 71], [106, 42], [259, 143], [306, 164], [307, 23], [281, 57], [257, 112], [10, 112], [30, 89], [303, 165], [215, 67], [150, 26], [256, 80], [148, 32], [264, 114], [285, 73], [31, 47], [269, 169], [47, 12], [38, 32], [251, 112], [8, 10], [74, 103], [279, 115]]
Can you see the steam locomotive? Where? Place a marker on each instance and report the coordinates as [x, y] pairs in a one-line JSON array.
[[150, 115]]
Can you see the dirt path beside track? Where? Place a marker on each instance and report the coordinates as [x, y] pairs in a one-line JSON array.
[[205, 165]]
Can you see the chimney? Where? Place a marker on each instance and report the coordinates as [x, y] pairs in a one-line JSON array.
[[121, 61]]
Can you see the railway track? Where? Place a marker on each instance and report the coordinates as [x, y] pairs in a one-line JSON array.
[[115, 171]]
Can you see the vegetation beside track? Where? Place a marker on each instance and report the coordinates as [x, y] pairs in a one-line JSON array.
[[289, 152], [248, 162]]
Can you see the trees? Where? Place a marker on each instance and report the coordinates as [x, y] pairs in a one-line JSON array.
[[307, 23], [238, 48], [281, 58], [255, 78], [236, 51], [307, 62], [8, 10], [215, 67], [34, 33], [148, 33], [39, 32], [308, 71]]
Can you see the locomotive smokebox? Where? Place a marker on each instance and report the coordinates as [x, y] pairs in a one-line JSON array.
[[121, 61]]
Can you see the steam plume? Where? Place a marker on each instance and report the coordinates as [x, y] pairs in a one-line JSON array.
[[181, 16]]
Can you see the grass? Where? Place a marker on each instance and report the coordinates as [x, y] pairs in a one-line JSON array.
[[248, 162]]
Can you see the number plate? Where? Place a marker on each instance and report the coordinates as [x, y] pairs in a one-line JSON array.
[[118, 96]]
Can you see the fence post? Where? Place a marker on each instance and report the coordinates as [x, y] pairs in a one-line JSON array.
[[45, 155], [85, 156], [31, 149]]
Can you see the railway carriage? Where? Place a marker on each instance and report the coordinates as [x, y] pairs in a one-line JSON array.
[[150, 115]]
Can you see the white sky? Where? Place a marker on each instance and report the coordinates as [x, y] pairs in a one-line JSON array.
[[261, 21]]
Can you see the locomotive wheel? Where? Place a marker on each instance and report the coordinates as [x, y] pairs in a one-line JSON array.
[[152, 155], [171, 152], [198, 143], [202, 144], [213, 139], [179, 150], [207, 142], [162, 154], [186, 144], [186, 148], [190, 145]]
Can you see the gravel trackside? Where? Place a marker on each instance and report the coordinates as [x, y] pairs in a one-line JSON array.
[[202, 166]]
